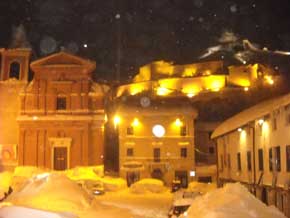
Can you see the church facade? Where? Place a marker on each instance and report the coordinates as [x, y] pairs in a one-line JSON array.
[[60, 114]]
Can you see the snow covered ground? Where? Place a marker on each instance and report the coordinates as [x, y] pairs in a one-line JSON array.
[[231, 201], [55, 194]]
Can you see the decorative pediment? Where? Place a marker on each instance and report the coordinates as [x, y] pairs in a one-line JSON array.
[[63, 59]]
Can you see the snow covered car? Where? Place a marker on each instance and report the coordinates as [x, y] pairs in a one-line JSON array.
[[95, 187], [181, 202]]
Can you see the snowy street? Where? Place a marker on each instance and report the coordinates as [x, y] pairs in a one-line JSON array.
[[139, 205]]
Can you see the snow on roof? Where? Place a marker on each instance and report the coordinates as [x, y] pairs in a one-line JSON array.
[[251, 114], [231, 201]]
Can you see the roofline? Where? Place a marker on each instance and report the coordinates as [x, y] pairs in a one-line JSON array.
[[251, 114]]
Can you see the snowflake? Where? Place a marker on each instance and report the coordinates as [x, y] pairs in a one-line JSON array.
[[234, 8]]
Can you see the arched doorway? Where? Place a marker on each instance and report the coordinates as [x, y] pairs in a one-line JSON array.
[[14, 70]]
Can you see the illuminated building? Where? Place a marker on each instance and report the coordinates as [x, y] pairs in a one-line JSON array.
[[165, 79], [58, 122], [156, 141], [253, 147]]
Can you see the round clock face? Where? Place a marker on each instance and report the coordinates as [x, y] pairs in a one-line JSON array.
[[158, 130], [145, 101]]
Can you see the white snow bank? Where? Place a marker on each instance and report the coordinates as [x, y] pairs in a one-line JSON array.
[[232, 201], [27, 171], [5, 180], [20, 212], [85, 173], [22, 174], [148, 185], [51, 192], [114, 184], [201, 187]]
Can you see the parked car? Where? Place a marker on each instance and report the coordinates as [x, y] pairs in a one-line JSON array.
[[181, 202]]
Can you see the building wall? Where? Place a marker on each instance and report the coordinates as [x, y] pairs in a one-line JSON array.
[[143, 143], [271, 186], [45, 127], [205, 147]]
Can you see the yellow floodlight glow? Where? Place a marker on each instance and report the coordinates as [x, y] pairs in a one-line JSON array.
[[240, 129], [191, 90], [265, 129], [246, 89], [189, 72], [261, 122], [162, 91], [178, 122], [136, 88], [135, 122], [117, 120], [269, 79], [190, 95]]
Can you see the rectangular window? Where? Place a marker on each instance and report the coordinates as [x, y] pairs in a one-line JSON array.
[[249, 160], [222, 162], [270, 159], [274, 123], [61, 103], [211, 150], [288, 118], [130, 130], [156, 154], [183, 152], [278, 158], [288, 158], [183, 130], [229, 161], [261, 159], [239, 166], [130, 152]]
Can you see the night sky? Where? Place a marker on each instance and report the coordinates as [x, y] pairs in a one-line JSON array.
[[145, 30]]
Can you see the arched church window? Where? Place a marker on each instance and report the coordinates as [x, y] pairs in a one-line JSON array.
[[14, 70]]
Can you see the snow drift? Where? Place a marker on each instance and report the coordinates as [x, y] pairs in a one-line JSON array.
[[232, 201], [201, 187], [85, 173], [114, 184], [19, 212], [51, 192], [148, 185]]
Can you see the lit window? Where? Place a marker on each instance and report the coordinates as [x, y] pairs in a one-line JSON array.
[[61, 103], [183, 152], [130, 152]]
